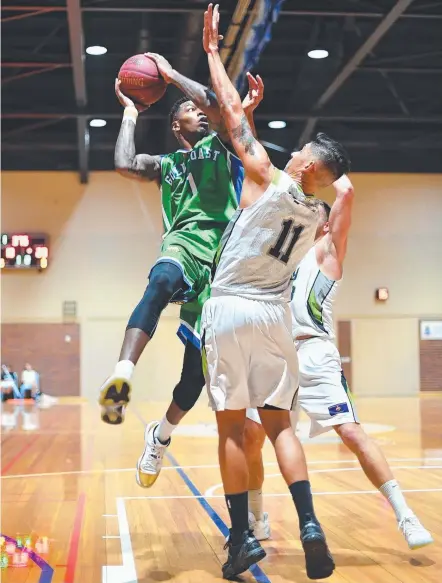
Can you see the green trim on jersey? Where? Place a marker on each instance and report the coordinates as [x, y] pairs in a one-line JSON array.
[[319, 291]]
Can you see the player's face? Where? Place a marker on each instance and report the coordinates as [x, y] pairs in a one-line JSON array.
[[192, 121]]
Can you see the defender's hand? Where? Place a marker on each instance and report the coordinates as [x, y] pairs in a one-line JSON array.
[[211, 37], [255, 94], [343, 184]]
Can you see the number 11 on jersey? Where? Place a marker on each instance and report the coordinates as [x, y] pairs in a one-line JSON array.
[[289, 232]]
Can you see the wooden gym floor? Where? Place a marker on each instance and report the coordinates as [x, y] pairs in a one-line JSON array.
[[69, 477]]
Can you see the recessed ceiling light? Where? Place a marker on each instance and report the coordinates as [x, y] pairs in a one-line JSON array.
[[277, 125], [318, 54], [97, 123], [96, 50]]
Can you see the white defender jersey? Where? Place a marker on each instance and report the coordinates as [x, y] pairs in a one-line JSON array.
[[264, 243], [313, 294]]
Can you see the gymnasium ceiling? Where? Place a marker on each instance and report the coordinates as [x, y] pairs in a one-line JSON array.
[[380, 94]]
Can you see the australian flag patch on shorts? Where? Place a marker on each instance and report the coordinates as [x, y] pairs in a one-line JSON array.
[[337, 409]]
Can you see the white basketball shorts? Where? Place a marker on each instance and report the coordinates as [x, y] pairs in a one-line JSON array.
[[323, 391], [249, 359]]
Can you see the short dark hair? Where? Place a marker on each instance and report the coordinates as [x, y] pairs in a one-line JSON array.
[[175, 109], [326, 207], [332, 154]]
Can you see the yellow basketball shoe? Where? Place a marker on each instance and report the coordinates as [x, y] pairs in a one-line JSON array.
[[113, 398]]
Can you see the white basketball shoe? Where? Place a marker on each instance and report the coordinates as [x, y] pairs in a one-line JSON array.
[[414, 533], [261, 528], [151, 461]]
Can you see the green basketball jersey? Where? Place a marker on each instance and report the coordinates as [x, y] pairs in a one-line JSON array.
[[200, 190]]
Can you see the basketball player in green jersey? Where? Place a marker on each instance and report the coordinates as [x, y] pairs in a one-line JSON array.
[[200, 187]]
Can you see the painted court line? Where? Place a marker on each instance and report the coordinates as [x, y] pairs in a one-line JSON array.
[[47, 572], [74, 543], [256, 571], [23, 450], [205, 466], [75, 539], [125, 573], [278, 495], [210, 491]]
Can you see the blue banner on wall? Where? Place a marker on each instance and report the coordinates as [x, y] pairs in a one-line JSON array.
[[258, 37]]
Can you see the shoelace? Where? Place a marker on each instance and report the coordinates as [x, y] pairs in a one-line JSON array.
[[410, 525], [156, 455], [226, 546]]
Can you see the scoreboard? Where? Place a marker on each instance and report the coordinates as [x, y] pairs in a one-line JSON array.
[[24, 251]]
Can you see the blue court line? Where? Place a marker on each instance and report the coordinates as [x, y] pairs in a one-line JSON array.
[[256, 571], [47, 572]]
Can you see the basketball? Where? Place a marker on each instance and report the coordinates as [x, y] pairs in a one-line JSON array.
[[141, 80]]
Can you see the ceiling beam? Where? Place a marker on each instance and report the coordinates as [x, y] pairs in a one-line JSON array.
[[379, 145], [351, 66], [331, 117], [187, 9], [76, 42], [403, 70]]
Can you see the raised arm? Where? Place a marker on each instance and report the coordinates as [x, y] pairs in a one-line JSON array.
[[334, 244], [204, 98], [127, 162], [255, 160], [340, 216]]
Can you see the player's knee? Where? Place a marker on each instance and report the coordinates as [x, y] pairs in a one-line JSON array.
[[163, 283], [352, 435], [188, 390], [165, 280], [254, 436]]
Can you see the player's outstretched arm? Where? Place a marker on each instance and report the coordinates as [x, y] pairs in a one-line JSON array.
[[334, 244], [127, 162], [340, 216], [204, 98], [256, 162]]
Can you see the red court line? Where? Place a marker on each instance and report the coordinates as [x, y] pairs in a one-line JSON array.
[[74, 543], [75, 539], [24, 449]]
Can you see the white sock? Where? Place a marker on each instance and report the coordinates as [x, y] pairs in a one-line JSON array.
[[256, 504], [393, 493], [164, 430], [124, 369]]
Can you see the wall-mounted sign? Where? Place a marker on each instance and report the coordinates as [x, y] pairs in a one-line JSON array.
[[431, 329]]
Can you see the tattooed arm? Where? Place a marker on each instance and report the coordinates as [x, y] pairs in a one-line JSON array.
[[127, 162], [205, 99], [255, 160], [130, 164]]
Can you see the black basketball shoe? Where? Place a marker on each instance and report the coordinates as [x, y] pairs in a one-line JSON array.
[[318, 560], [246, 552]]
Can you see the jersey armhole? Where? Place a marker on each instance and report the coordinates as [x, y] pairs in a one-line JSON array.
[[228, 147]]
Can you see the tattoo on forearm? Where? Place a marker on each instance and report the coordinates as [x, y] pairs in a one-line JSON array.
[[199, 94], [244, 135], [141, 165]]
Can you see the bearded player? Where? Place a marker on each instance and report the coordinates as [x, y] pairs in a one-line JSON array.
[[200, 187], [323, 392]]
